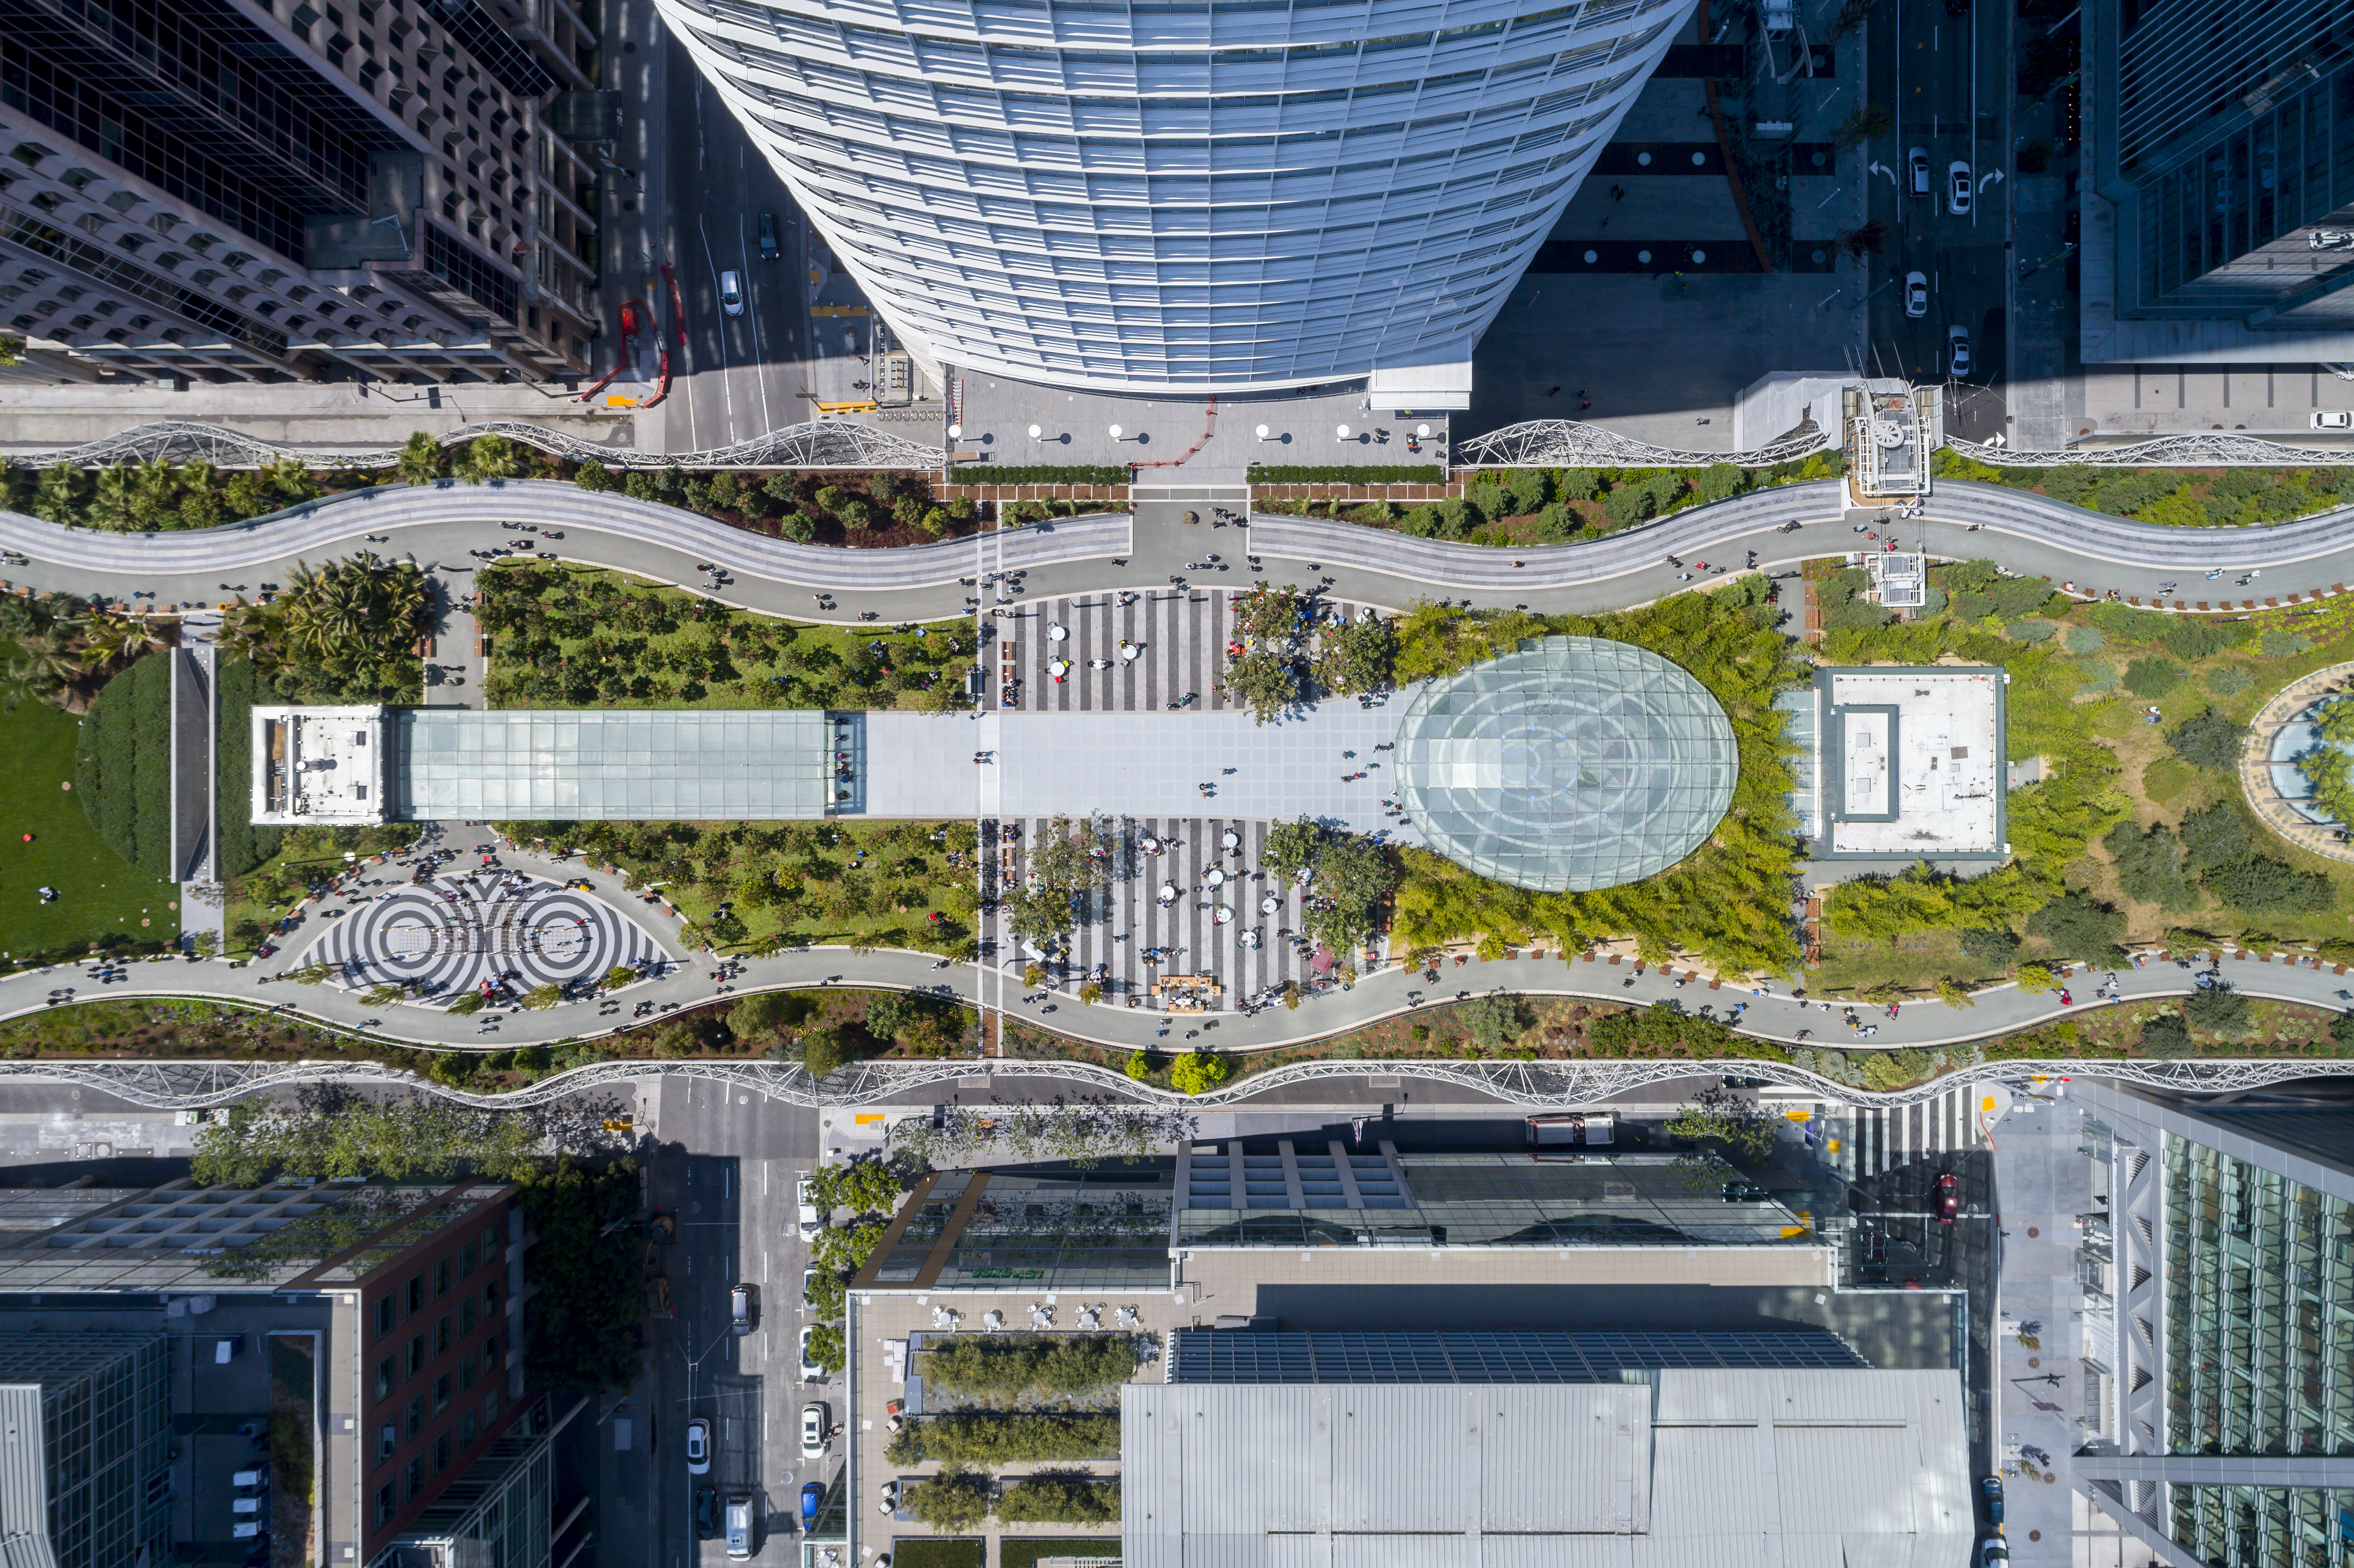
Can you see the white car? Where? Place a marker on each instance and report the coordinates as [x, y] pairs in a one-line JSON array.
[[731, 293], [1916, 293], [2333, 420], [1957, 352], [814, 1425], [1958, 187], [2330, 239], [812, 1221], [698, 1448], [1916, 170], [743, 1305], [811, 1370]]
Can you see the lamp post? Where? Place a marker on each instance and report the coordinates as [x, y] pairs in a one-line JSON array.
[[1341, 431]]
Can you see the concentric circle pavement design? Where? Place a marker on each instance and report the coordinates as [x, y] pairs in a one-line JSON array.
[[453, 933]]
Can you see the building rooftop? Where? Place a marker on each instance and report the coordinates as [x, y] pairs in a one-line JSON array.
[[1676, 1468], [686, 765], [321, 764], [1266, 1355], [1911, 761], [1570, 764]]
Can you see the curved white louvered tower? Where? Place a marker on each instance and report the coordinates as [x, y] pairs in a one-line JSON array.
[[1181, 195]]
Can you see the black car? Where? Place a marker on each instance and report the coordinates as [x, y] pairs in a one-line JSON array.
[[769, 249], [706, 1513]]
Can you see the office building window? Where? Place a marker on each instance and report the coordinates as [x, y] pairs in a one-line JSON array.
[[383, 1503], [416, 1294], [466, 1260], [417, 1355], [385, 1377], [441, 1335], [441, 1278], [441, 1394], [416, 1477], [416, 1414], [388, 1313]]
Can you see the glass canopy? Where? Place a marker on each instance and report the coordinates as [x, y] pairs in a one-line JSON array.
[[689, 765], [1570, 764]]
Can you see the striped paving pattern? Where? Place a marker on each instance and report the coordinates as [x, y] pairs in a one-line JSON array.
[[1128, 917], [453, 933], [1890, 1138], [1183, 632]]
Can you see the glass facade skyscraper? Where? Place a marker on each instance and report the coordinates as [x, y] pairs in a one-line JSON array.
[[2219, 1328], [1141, 195]]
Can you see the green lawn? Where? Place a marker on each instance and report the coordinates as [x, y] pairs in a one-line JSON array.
[[104, 895], [1023, 1551], [933, 1551]]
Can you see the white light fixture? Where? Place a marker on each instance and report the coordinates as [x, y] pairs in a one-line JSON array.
[[1421, 432], [1343, 432], [956, 432], [1037, 432], [1262, 433], [1114, 432]]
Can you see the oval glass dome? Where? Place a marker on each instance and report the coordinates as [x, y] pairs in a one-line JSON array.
[[1570, 764]]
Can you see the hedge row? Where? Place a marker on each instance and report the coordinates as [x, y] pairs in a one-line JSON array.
[[243, 845], [1043, 473], [1345, 474], [123, 765], [986, 1441]]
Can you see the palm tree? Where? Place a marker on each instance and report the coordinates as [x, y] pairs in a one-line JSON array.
[[111, 506], [57, 498], [154, 487], [291, 479], [490, 458], [247, 633], [421, 460], [108, 638]]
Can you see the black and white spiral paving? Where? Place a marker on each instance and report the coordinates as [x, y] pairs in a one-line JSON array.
[[453, 933]]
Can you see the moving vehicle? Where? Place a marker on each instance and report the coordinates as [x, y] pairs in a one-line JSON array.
[[743, 1305], [814, 1425], [1568, 1130], [1916, 293], [769, 251], [1917, 167], [706, 1513], [811, 1370], [2333, 420], [1746, 1192], [1990, 1488], [813, 1496], [699, 1447], [1958, 187], [739, 1525], [2330, 239], [1957, 352], [731, 293], [1949, 1198], [812, 1221]]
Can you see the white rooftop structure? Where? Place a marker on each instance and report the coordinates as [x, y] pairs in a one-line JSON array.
[[323, 765], [1183, 197], [1672, 1469], [1909, 762]]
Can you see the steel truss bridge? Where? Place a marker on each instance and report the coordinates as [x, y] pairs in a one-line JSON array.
[[822, 443], [190, 1085], [1567, 443]]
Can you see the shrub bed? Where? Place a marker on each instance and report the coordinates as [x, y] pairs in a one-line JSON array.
[[1005, 1369], [992, 1440], [243, 845], [1040, 474], [2181, 498], [1346, 473], [1059, 1500]]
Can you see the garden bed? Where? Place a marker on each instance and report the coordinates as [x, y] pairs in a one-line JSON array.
[[2172, 497]]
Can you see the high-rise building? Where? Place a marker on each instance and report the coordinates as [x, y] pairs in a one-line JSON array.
[[2219, 175], [85, 1435], [378, 1325], [1183, 197], [2219, 1337], [215, 191]]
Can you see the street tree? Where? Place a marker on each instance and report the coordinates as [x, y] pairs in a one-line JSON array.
[[1267, 680]]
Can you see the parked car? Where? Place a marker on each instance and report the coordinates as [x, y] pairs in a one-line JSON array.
[[1990, 1488], [809, 1287], [1957, 187], [1995, 1550], [2333, 420], [812, 1498], [739, 1526], [1957, 352], [1949, 1198], [769, 249], [1916, 293], [1746, 1192], [699, 1447], [811, 1370], [810, 1219], [743, 1305], [814, 1426], [731, 293], [706, 1513], [2331, 239], [1917, 167]]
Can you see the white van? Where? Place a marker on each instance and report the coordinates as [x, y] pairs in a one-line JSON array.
[[739, 1526]]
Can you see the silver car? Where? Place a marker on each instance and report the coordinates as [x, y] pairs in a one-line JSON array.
[[815, 1423], [1916, 293], [1957, 352], [1958, 187]]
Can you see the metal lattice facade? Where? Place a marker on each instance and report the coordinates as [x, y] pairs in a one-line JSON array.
[[1571, 764], [1568, 444], [2203, 449], [1181, 198]]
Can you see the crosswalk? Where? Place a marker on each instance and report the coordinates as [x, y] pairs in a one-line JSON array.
[[1888, 1137], [1179, 635]]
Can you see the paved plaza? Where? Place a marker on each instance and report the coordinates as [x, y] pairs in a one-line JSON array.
[[453, 933], [1139, 649]]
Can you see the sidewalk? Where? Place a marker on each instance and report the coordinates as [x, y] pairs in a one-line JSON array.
[[326, 416]]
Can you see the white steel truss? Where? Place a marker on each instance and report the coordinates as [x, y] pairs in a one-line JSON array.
[[1570, 443], [2199, 448], [187, 1085], [820, 443]]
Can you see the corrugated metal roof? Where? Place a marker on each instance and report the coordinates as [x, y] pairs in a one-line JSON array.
[[1766, 1468], [24, 1479]]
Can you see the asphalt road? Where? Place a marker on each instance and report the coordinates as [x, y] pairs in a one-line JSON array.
[[1949, 78], [726, 1164]]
